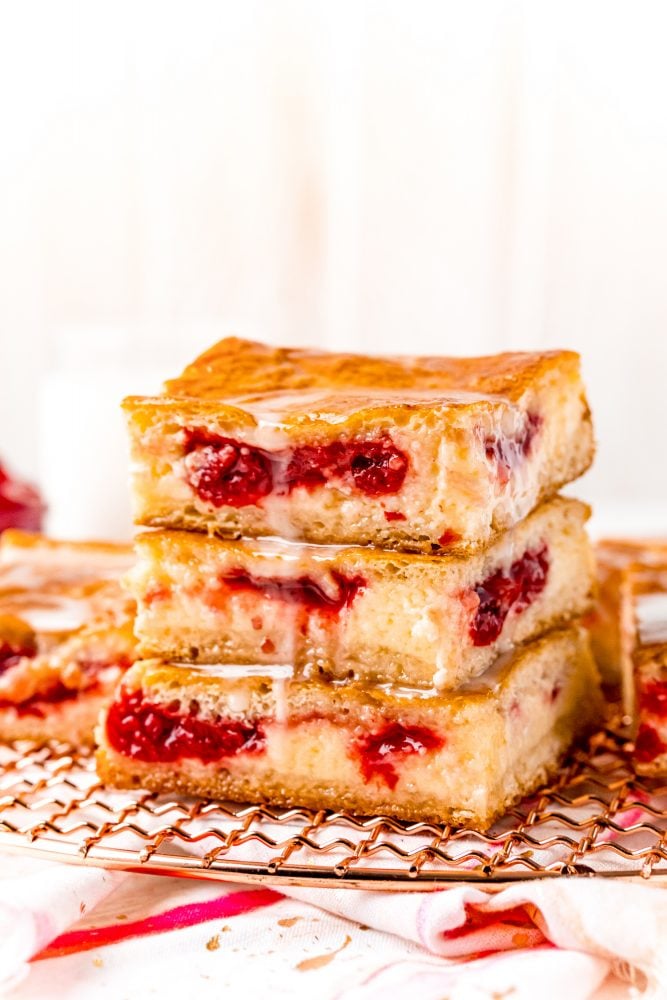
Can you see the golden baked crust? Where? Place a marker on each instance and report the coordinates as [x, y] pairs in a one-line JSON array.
[[223, 785], [237, 367], [253, 383]]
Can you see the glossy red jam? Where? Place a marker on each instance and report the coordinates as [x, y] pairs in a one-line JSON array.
[[394, 515], [505, 591], [164, 734], [39, 704], [11, 654], [448, 538], [225, 472], [653, 698], [648, 745], [300, 590], [506, 451], [20, 504], [380, 753]]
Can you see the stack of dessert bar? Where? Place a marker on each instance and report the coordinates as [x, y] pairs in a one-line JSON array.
[[364, 592], [66, 634]]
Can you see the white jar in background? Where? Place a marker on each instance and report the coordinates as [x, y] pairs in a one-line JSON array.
[[83, 450]]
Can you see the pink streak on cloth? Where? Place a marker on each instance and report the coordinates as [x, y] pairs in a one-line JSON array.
[[174, 919], [573, 931]]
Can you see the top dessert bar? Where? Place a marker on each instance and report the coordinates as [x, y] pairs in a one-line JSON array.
[[420, 454]]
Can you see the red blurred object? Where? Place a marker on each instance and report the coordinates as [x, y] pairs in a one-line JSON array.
[[21, 506]]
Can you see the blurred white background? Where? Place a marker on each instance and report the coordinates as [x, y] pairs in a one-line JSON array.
[[388, 176]]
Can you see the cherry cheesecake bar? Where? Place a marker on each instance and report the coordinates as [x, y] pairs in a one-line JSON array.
[[256, 734], [643, 620], [339, 612], [66, 635], [420, 454], [613, 557]]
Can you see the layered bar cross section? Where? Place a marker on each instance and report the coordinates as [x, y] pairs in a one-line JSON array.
[[259, 735], [254, 441], [360, 613]]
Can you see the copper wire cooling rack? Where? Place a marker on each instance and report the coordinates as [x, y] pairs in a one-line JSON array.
[[598, 817]]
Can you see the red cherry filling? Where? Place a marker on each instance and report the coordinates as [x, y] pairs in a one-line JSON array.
[[394, 515], [302, 590], [162, 734], [448, 537], [11, 653], [507, 451], [20, 504], [653, 698], [380, 752], [505, 591], [223, 471], [648, 745], [378, 467], [38, 704], [375, 467]]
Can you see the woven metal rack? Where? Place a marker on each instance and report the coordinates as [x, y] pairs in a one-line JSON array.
[[597, 818]]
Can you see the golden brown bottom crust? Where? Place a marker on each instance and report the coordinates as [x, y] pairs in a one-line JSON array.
[[120, 772]]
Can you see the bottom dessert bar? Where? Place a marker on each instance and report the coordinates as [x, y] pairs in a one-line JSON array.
[[66, 635], [257, 735], [644, 649]]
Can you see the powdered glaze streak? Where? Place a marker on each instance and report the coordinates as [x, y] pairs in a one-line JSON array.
[[651, 612], [62, 614], [274, 411]]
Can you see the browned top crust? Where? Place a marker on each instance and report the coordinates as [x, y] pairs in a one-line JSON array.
[[236, 367]]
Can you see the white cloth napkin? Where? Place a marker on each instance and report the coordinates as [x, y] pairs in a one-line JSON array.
[[551, 938]]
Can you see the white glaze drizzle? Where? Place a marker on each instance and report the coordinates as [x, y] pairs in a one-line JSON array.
[[238, 671], [651, 612], [270, 409], [63, 614]]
